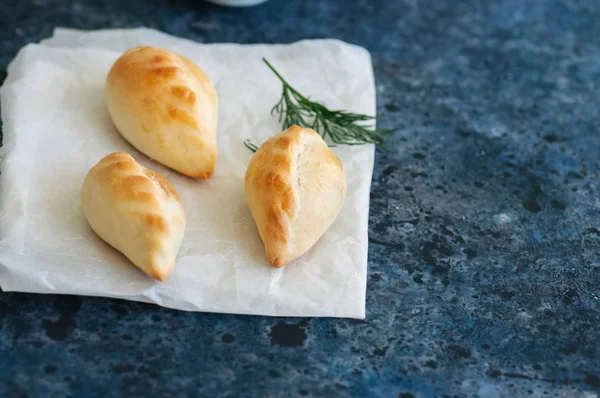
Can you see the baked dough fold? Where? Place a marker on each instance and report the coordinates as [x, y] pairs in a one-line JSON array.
[[166, 107], [295, 187], [136, 211]]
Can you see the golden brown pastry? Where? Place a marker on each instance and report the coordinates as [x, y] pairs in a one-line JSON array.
[[135, 210], [295, 188], [166, 107]]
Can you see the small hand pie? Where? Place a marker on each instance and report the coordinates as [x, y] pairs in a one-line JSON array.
[[166, 107], [295, 187], [135, 210]]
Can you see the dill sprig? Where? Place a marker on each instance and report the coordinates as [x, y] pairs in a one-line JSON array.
[[342, 127], [248, 144]]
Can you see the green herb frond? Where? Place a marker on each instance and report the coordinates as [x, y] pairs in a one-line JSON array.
[[341, 127], [248, 144]]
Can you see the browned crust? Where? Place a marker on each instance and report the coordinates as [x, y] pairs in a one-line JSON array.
[[121, 171], [201, 76], [269, 183], [273, 189], [144, 70], [130, 183], [184, 94], [153, 85], [163, 183]]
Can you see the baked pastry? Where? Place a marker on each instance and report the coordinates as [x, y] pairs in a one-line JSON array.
[[136, 211], [166, 107], [295, 187]]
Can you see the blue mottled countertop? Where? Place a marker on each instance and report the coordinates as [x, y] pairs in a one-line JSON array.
[[484, 256]]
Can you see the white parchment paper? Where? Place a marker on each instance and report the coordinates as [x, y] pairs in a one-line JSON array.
[[56, 127]]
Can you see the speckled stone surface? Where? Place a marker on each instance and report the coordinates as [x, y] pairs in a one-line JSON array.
[[484, 257]]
